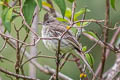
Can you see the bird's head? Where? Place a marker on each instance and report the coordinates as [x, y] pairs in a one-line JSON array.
[[48, 18]]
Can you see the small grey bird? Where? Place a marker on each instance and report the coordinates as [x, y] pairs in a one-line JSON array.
[[53, 28]]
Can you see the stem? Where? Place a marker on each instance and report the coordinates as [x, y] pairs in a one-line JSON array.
[[17, 55], [105, 34], [58, 60]]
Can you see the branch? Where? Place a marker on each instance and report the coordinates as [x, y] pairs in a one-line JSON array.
[[79, 30], [59, 41], [10, 37], [108, 50], [105, 34], [114, 70], [24, 21], [17, 65], [4, 44], [98, 21], [46, 70], [33, 49], [17, 75], [44, 56], [58, 59]]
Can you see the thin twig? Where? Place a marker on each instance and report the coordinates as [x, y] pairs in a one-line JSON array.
[[3, 47], [114, 28], [92, 47], [1, 57], [79, 32], [77, 61], [105, 34], [65, 59], [33, 49], [58, 60], [98, 21], [108, 50], [22, 56], [43, 56], [71, 21], [17, 75], [114, 70], [21, 68], [27, 44], [27, 25], [45, 69], [10, 37], [17, 65]]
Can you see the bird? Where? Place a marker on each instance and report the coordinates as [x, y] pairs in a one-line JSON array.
[[53, 28]]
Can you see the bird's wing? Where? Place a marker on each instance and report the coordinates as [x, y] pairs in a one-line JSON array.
[[61, 28]]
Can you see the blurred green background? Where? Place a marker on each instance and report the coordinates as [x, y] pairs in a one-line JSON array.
[[97, 8]]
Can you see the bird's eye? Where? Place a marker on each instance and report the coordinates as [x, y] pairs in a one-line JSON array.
[[48, 21]]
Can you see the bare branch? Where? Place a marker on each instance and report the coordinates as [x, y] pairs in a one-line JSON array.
[[98, 21], [108, 50], [114, 70], [33, 49], [27, 25], [4, 44], [17, 65], [46, 70], [105, 33], [17, 75]]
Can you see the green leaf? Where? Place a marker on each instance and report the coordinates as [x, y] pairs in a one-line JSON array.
[[92, 34], [84, 48], [7, 26], [85, 24], [28, 10], [39, 3], [71, 1], [4, 12], [6, 18], [78, 24], [61, 19], [113, 4], [9, 15], [61, 4], [68, 13], [90, 59], [82, 11]]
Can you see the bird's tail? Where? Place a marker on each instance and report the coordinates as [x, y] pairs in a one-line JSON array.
[[82, 56]]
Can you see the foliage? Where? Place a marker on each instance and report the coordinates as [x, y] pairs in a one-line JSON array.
[[90, 59], [71, 1], [39, 3], [61, 4], [88, 56], [92, 34], [25, 10], [6, 18], [28, 14], [113, 4]]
